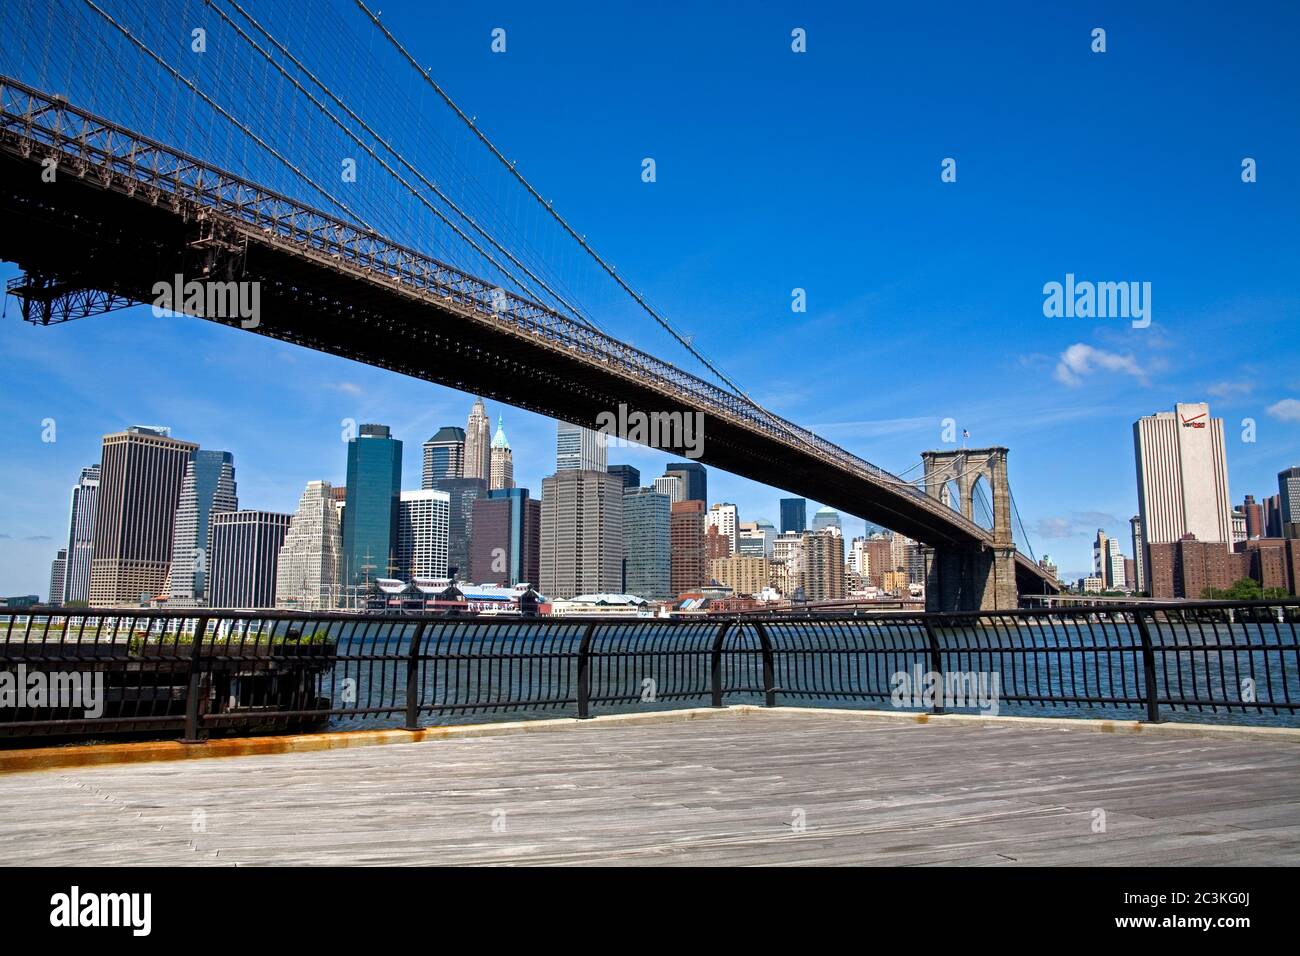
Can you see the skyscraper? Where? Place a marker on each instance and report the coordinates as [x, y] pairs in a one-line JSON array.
[[502, 461], [507, 538], [1288, 489], [58, 570], [794, 515], [582, 533], [1139, 582], [209, 486], [827, 518], [308, 571], [823, 556], [725, 518], [1254, 517], [444, 456], [695, 479], [1182, 477], [756, 538], [672, 486], [578, 448], [478, 443], [244, 558], [141, 471], [1100, 551], [647, 544], [370, 516], [463, 492], [788, 562], [423, 519], [686, 528], [630, 476], [81, 536]]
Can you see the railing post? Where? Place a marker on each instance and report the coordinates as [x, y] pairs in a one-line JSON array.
[[413, 678], [936, 663], [769, 666], [193, 685], [1148, 667], [584, 673], [715, 664]]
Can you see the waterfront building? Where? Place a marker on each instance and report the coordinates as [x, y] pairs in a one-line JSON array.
[[423, 519], [373, 497], [308, 569], [463, 492], [507, 538], [1182, 476], [244, 558], [743, 573], [647, 551], [444, 456], [208, 487], [141, 472], [582, 533], [686, 528], [823, 557]]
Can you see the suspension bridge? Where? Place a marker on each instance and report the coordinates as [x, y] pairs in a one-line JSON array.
[[136, 146]]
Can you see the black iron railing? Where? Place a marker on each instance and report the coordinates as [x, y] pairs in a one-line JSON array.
[[204, 672]]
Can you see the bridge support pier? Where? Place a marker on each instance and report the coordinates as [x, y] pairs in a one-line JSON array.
[[978, 577]]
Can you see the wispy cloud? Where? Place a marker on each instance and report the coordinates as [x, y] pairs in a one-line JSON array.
[[1080, 360], [1287, 410], [1230, 390]]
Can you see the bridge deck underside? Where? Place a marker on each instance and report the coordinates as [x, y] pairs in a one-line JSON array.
[[105, 239]]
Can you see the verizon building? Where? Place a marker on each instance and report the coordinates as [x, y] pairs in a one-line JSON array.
[[1182, 477]]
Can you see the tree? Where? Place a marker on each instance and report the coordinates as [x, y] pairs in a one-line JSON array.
[[1245, 589]]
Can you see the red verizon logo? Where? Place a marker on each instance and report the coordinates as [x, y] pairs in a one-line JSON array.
[[1196, 421]]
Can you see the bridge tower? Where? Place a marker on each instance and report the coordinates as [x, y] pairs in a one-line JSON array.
[[979, 577]]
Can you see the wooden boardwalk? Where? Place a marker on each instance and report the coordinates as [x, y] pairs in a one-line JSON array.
[[768, 789]]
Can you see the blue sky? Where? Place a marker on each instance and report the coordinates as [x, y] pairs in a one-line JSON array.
[[821, 171]]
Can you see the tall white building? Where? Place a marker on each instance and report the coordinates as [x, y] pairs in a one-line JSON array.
[[423, 519], [579, 448], [672, 486], [81, 536], [788, 562], [756, 538], [724, 517], [307, 573], [478, 443], [1182, 477]]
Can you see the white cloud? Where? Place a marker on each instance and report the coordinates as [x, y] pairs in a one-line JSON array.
[[1230, 390], [1080, 360], [1287, 410]]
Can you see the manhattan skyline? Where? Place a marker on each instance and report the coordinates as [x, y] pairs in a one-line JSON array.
[[924, 298]]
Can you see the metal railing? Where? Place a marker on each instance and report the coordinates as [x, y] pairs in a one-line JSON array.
[[203, 672]]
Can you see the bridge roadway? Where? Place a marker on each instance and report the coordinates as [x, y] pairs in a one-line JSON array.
[[722, 789], [126, 212]]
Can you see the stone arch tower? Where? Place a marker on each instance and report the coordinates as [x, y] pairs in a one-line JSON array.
[[981, 577]]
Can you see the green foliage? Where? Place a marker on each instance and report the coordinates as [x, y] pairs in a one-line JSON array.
[[1245, 589]]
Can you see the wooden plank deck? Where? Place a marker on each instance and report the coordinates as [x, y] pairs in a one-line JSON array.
[[726, 790]]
